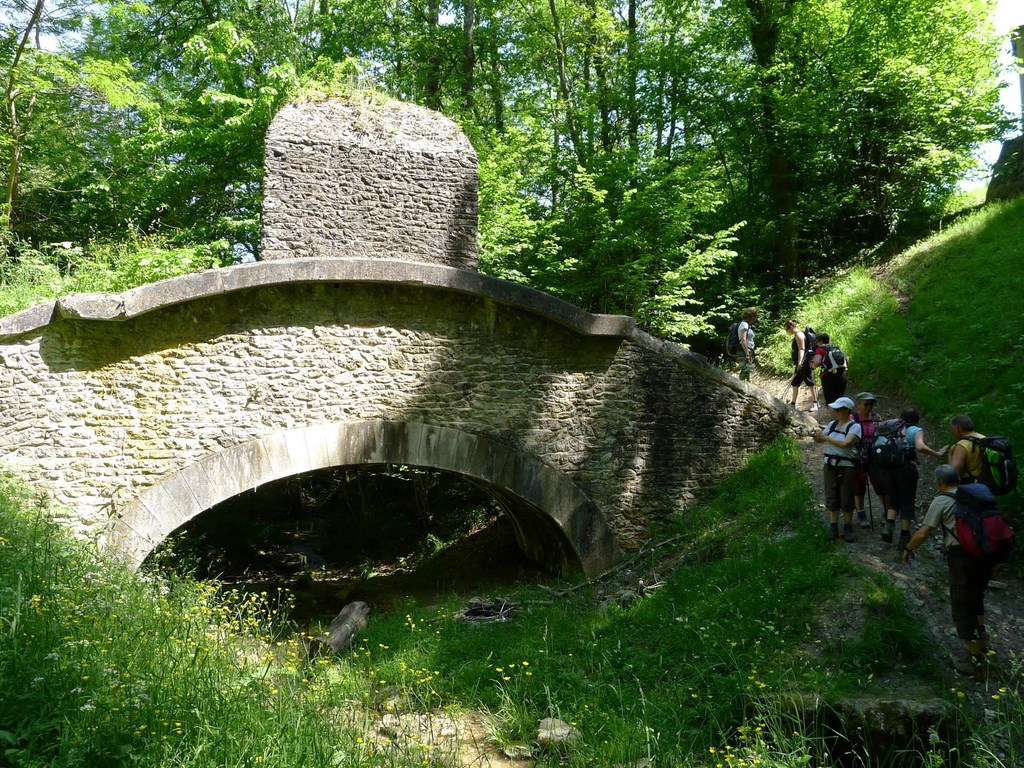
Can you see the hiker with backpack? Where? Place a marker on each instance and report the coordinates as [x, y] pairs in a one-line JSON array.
[[965, 515], [831, 361], [982, 459], [740, 343], [966, 454], [868, 418], [803, 345], [840, 471], [899, 470]]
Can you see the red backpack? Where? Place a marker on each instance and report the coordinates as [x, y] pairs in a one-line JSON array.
[[981, 529]]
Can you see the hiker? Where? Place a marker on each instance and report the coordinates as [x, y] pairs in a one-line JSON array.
[[965, 455], [968, 575], [868, 418], [745, 355], [833, 378], [840, 471], [801, 356], [902, 480]]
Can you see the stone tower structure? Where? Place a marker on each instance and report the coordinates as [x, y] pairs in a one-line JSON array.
[[369, 179]]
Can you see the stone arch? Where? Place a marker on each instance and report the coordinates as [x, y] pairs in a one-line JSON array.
[[555, 523]]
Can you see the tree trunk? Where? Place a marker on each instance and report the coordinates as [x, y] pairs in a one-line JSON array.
[[432, 79], [18, 122], [633, 125], [781, 182], [341, 632], [563, 86], [468, 52], [497, 92]]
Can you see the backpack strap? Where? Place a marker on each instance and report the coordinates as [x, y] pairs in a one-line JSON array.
[[952, 531], [974, 444]]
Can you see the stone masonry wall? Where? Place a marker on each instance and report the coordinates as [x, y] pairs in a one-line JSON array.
[[369, 179], [96, 411]]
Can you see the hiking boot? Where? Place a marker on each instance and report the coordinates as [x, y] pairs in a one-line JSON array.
[[904, 539], [963, 663], [814, 407], [887, 537], [978, 648], [862, 519], [848, 535]]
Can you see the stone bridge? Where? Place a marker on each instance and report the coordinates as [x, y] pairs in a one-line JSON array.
[[366, 336]]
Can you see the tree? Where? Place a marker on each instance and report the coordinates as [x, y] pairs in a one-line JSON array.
[[31, 76]]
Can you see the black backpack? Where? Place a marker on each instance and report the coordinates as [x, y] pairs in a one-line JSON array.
[[835, 359], [981, 529], [998, 469], [889, 448], [810, 343], [732, 341]]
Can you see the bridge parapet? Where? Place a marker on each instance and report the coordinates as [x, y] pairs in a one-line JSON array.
[[110, 402]]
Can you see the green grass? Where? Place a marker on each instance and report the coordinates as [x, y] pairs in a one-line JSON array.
[[101, 667]]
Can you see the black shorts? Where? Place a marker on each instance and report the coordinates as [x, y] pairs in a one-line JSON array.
[[802, 375]]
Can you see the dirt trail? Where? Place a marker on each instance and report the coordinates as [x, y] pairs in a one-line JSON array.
[[923, 582]]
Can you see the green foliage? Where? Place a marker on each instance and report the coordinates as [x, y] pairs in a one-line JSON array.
[[49, 272], [517, 241]]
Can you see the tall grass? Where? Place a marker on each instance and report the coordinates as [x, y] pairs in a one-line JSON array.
[[101, 667]]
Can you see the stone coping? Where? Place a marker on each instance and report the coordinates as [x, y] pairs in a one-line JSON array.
[[214, 282]]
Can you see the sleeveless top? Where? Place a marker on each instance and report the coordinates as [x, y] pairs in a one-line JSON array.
[[972, 462], [911, 432]]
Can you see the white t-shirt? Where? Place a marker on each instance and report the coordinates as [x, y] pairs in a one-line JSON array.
[[744, 325], [839, 432]]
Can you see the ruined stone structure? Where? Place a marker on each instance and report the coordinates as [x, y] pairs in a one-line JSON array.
[[385, 181], [141, 410]]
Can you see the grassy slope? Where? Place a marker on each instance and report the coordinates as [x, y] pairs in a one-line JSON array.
[[941, 323]]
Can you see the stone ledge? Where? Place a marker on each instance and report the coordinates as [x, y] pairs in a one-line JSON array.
[[215, 282]]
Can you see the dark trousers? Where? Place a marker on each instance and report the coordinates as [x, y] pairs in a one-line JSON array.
[[833, 386], [968, 580], [840, 487], [903, 490]]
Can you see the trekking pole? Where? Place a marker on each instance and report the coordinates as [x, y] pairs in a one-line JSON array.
[[871, 511]]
